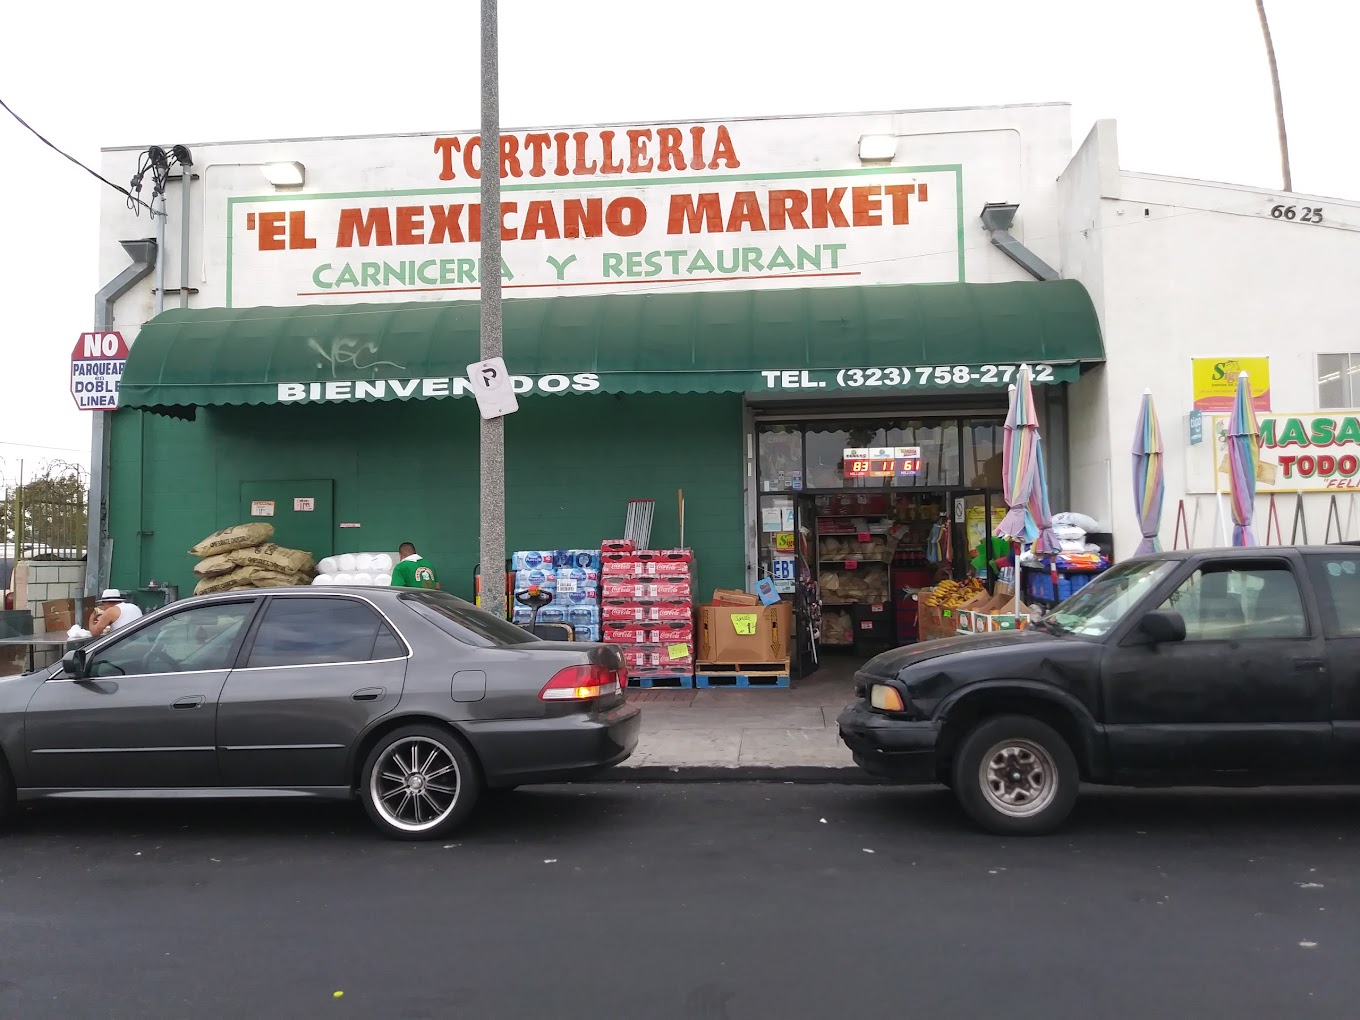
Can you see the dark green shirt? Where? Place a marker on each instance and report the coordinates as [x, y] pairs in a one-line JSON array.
[[415, 573]]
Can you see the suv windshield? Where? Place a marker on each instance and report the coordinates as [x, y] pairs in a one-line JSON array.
[[464, 621], [1097, 609]]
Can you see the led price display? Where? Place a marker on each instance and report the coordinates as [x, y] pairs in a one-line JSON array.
[[882, 462]]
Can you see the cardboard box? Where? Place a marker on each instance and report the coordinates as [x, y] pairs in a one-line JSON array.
[[13, 660], [733, 597], [720, 641], [59, 615]]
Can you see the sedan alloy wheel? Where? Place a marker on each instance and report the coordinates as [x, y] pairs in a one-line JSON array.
[[420, 782]]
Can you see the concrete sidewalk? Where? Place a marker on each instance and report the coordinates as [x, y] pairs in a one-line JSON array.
[[786, 734]]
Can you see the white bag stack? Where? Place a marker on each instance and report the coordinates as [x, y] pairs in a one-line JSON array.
[[364, 569]]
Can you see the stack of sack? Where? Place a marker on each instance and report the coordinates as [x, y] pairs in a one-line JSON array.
[[243, 556], [1071, 530], [368, 570]]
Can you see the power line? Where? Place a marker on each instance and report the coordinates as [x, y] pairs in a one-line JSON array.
[[93, 173]]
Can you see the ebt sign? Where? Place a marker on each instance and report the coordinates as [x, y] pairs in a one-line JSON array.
[[97, 363]]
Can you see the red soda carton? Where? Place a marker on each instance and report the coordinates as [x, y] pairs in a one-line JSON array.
[[673, 611], [617, 545], [648, 632], [664, 555], [615, 589]]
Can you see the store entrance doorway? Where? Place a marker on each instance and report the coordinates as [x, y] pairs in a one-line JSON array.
[[856, 516]]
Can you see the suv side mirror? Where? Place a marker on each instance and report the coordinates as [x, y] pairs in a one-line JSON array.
[[74, 664], [1163, 626]]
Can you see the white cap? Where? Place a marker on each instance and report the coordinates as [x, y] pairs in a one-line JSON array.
[[111, 595]]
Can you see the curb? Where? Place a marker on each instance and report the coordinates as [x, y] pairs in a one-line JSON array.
[[847, 775]]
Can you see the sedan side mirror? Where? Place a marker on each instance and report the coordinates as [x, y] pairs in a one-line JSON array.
[[1163, 626], [74, 664]]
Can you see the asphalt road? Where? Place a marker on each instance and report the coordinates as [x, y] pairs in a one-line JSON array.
[[696, 901]]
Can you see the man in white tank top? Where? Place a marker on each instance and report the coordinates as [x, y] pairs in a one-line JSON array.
[[113, 613]]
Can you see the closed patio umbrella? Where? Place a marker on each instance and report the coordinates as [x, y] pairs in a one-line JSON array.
[[1149, 478], [1024, 481], [1244, 455]]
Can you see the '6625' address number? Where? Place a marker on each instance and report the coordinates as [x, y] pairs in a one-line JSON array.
[[939, 375]]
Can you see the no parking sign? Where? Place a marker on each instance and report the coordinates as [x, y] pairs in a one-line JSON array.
[[97, 363]]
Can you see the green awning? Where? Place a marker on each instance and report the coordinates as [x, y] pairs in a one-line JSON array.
[[871, 340]]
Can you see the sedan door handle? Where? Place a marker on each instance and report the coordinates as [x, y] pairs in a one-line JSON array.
[[368, 694], [1310, 665], [194, 701]]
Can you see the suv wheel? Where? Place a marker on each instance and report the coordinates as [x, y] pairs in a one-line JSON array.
[[1016, 776], [420, 782]]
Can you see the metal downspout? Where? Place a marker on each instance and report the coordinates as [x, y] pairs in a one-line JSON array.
[[143, 255], [997, 218]]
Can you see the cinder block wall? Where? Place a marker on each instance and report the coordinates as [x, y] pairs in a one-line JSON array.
[[39, 581]]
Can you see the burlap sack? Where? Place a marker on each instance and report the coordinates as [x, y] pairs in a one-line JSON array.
[[233, 581], [238, 536], [214, 566], [275, 558], [274, 579]]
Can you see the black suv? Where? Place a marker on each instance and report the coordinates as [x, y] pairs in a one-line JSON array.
[[1221, 667]]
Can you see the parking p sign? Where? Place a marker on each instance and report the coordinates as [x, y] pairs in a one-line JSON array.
[[97, 363]]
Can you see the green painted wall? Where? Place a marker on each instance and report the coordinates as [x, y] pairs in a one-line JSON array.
[[408, 470]]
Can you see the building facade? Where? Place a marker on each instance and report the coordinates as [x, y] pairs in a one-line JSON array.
[[724, 310]]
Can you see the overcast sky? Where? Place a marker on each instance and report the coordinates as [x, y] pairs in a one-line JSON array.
[[1187, 81]]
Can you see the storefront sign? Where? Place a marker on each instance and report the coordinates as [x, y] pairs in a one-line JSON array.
[[727, 205], [1303, 452], [262, 508], [97, 363], [855, 379], [1215, 382], [913, 376], [304, 504], [714, 225], [1196, 427], [783, 541]]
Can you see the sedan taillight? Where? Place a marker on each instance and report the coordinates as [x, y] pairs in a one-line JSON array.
[[581, 683]]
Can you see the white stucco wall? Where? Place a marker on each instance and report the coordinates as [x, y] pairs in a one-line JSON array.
[[966, 157], [1181, 269]]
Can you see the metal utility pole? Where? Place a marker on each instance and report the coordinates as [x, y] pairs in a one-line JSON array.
[[493, 429], [1279, 100]]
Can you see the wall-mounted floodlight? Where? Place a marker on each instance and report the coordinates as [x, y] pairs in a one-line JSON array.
[[877, 148], [285, 175]]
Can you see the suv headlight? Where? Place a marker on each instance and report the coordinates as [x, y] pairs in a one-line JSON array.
[[885, 698]]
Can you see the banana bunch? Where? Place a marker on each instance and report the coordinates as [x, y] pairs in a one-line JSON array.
[[952, 594]]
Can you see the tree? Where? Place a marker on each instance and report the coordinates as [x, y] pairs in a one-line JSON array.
[[48, 514]]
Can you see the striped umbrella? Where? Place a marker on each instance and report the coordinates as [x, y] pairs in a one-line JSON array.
[[1024, 480], [1244, 456], [1149, 476]]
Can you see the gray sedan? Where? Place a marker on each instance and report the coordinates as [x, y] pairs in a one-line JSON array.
[[414, 701]]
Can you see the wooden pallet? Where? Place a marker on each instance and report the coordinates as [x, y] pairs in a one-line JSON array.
[[708, 679], [677, 681], [779, 667]]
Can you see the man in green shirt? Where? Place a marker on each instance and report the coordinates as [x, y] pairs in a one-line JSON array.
[[414, 571]]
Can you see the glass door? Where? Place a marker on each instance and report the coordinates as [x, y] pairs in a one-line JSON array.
[[807, 602], [976, 514]]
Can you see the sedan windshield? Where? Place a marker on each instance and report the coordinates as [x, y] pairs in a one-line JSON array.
[[1097, 609], [466, 622]]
